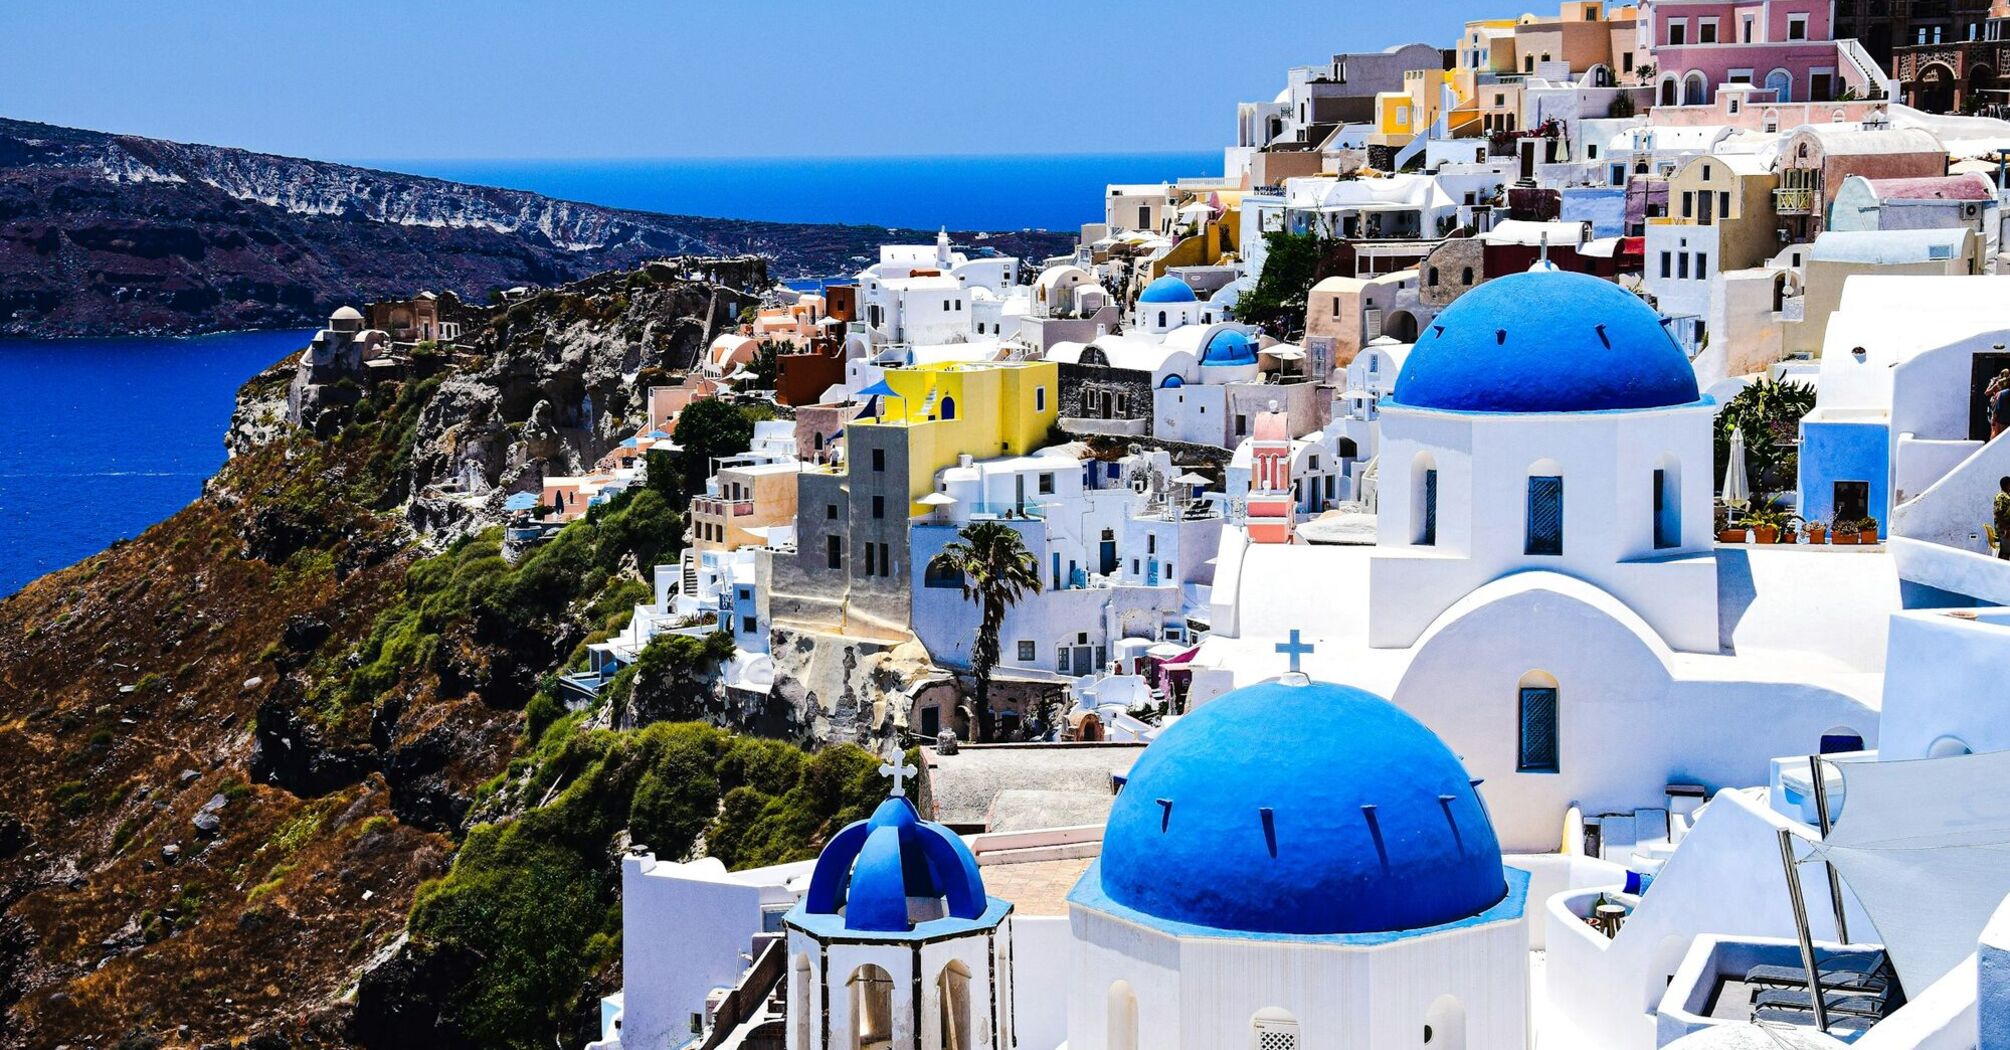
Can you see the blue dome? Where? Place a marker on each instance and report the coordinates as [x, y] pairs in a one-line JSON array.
[[1228, 347], [879, 873], [1167, 290], [1546, 342], [1301, 809]]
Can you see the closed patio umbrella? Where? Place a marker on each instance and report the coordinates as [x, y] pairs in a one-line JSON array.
[[1737, 487]]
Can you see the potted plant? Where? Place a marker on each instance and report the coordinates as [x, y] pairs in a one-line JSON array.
[[1866, 529], [1843, 532], [1766, 524], [1817, 531], [1725, 533], [1790, 529]]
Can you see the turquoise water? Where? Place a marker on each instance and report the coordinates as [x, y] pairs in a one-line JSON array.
[[1046, 191], [102, 438]]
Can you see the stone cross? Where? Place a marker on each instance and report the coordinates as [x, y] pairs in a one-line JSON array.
[[897, 770], [1293, 648]]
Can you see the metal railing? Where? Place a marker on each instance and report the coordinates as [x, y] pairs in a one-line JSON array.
[[720, 508], [1796, 201]]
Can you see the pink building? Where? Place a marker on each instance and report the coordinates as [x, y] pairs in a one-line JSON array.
[[1270, 505], [1784, 47]]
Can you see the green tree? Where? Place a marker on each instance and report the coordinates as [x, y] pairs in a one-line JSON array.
[[1769, 412], [997, 571], [707, 430], [1290, 269]]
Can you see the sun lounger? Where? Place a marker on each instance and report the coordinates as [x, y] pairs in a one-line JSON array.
[[1838, 1003]]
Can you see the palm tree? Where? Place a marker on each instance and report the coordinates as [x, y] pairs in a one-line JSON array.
[[997, 570]]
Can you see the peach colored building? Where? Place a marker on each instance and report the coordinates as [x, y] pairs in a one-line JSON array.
[[755, 496], [1818, 157]]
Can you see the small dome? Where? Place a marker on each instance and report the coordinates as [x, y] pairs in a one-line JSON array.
[[1301, 809], [346, 313], [886, 874], [1167, 290], [1228, 347], [1546, 342]]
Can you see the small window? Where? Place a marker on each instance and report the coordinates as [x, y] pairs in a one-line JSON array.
[[1039, 399], [1538, 750], [1028, 652], [830, 512], [747, 625], [879, 506], [879, 459], [1046, 484], [833, 552], [885, 561], [1545, 516], [871, 566], [1427, 535]]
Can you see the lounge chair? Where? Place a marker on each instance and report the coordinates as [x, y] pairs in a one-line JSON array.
[[1838, 1003], [1844, 971]]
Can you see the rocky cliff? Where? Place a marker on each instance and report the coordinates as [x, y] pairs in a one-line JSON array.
[[118, 235], [291, 766]]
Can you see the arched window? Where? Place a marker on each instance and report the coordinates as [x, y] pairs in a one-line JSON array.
[[1424, 500], [799, 999], [1122, 1032], [1445, 1025], [1273, 1029], [1668, 503], [1162, 318], [1695, 89], [1537, 744], [1431, 277], [953, 994], [871, 991], [1781, 83], [1545, 511], [1466, 277], [948, 407]]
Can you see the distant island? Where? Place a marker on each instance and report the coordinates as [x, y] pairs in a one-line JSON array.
[[104, 234]]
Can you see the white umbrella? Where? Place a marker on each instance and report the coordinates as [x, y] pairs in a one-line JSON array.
[[1192, 478], [1737, 487], [938, 500]]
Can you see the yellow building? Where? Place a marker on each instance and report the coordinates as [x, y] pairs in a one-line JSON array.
[[1403, 115], [994, 408], [851, 570]]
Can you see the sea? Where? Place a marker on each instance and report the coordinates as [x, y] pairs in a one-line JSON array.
[[102, 438]]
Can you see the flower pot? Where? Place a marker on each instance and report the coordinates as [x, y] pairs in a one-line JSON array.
[[1731, 536], [1767, 534], [1817, 534], [1789, 536], [1868, 536], [1844, 539]]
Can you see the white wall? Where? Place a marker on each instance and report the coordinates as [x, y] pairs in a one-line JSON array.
[[1945, 680], [683, 930], [1607, 460], [1627, 728]]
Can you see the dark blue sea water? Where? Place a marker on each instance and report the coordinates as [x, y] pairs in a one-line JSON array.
[[101, 438], [1049, 191]]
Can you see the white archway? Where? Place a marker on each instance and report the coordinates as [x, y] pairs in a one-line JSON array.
[[1273, 1028], [1948, 747], [871, 991], [1121, 1032], [1695, 89], [1445, 1025], [799, 998], [952, 988]]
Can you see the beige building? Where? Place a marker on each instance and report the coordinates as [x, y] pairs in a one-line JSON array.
[[753, 496], [1837, 257], [1734, 194], [1344, 314]]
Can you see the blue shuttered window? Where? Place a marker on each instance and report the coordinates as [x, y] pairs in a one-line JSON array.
[[1538, 731], [1545, 516]]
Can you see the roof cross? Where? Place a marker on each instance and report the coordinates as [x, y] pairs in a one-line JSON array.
[[897, 770], [1294, 649]]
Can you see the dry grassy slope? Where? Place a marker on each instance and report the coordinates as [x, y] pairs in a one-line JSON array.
[[128, 686]]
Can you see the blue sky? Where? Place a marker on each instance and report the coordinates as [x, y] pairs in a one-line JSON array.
[[626, 78]]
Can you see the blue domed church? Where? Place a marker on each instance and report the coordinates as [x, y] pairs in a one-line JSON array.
[[895, 945], [1299, 865]]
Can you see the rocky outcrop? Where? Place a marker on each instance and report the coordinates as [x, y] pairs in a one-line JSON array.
[[121, 235]]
